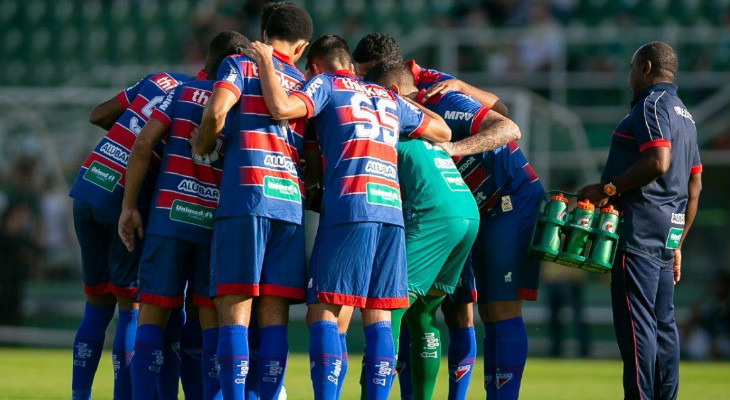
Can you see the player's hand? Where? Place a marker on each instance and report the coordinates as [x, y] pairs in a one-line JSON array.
[[259, 52], [195, 142], [594, 193], [441, 88], [130, 222], [448, 148], [677, 267]]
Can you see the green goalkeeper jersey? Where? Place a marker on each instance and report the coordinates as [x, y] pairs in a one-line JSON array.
[[431, 187]]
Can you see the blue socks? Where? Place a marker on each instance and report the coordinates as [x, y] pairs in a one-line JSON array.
[[325, 359], [403, 365], [147, 361], [233, 360], [254, 343], [273, 352], [511, 356], [169, 383], [462, 351], [343, 369], [122, 354], [191, 374], [490, 359], [211, 384], [88, 345], [379, 360]]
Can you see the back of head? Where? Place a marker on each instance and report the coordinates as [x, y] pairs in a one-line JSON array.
[[223, 45], [663, 59], [388, 73], [377, 46], [289, 23], [269, 9], [330, 51]]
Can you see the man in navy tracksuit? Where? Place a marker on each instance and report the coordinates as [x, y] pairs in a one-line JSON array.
[[653, 176]]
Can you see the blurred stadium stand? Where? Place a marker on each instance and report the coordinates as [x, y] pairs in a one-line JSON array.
[[560, 65]]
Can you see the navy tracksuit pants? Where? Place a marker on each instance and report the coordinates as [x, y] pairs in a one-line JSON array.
[[642, 297]]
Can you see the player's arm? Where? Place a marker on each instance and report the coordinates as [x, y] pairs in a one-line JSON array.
[[106, 114], [436, 129], [693, 198], [213, 120], [487, 99], [281, 106], [494, 130], [130, 221]]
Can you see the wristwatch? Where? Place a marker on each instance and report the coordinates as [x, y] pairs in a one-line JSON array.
[[609, 189]]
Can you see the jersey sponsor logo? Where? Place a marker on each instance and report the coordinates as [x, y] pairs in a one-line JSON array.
[[233, 75], [115, 153], [102, 176], [682, 112], [458, 115], [201, 96], [368, 90], [287, 82], [466, 163], [282, 189], [314, 86], [678, 218], [190, 186], [444, 163], [374, 167], [191, 213], [165, 82], [276, 161], [673, 238], [166, 103], [455, 181], [382, 195]]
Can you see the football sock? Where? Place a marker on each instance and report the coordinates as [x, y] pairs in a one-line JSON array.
[[325, 359], [343, 369], [425, 345], [511, 351], [169, 382], [490, 359], [462, 352], [211, 384], [273, 353], [191, 374], [233, 360], [254, 343], [88, 345], [147, 361], [379, 360], [122, 349], [403, 364]]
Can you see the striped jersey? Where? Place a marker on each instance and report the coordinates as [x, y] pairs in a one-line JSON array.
[[261, 174], [424, 78], [100, 181], [492, 174], [186, 195], [358, 125]]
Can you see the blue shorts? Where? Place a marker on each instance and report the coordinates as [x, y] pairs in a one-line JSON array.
[[503, 268], [360, 264], [258, 256], [106, 265], [167, 265], [466, 288]]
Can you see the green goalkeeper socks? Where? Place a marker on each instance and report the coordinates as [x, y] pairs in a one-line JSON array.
[[425, 345]]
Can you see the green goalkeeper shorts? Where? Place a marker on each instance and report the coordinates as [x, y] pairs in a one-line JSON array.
[[436, 253]]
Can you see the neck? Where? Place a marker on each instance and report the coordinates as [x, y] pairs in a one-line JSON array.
[[411, 92], [283, 48], [653, 82]]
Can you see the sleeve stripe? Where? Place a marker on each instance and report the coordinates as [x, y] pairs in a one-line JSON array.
[[162, 117], [122, 99], [656, 117], [227, 85], [421, 127], [307, 102], [696, 169], [656, 143], [476, 121]]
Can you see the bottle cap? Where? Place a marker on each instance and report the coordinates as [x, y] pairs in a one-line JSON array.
[[559, 197], [585, 205], [609, 209]]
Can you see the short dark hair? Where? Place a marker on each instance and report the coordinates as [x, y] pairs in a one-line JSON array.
[[289, 23], [377, 46], [386, 73], [267, 10], [223, 45], [332, 49], [662, 56]]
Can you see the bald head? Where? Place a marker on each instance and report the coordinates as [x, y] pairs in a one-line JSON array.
[[662, 57]]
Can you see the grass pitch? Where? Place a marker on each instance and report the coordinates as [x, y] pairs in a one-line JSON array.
[[46, 374]]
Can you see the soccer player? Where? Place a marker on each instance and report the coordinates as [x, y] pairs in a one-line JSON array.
[[359, 251], [109, 270], [457, 308], [177, 247], [654, 175], [493, 167], [260, 206]]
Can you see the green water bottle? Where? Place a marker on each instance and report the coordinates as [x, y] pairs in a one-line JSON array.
[[580, 217], [603, 246], [550, 237]]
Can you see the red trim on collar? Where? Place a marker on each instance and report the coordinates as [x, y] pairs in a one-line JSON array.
[[420, 95], [283, 57], [345, 72], [415, 70], [201, 76]]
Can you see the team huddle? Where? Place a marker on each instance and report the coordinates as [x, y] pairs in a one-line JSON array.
[[192, 206]]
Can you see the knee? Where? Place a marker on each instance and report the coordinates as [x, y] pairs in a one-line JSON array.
[[103, 300], [208, 318], [500, 310], [322, 312], [371, 316], [127, 303], [271, 310], [458, 315], [233, 309]]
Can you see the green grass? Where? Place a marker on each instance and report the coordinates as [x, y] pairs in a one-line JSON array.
[[46, 373]]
